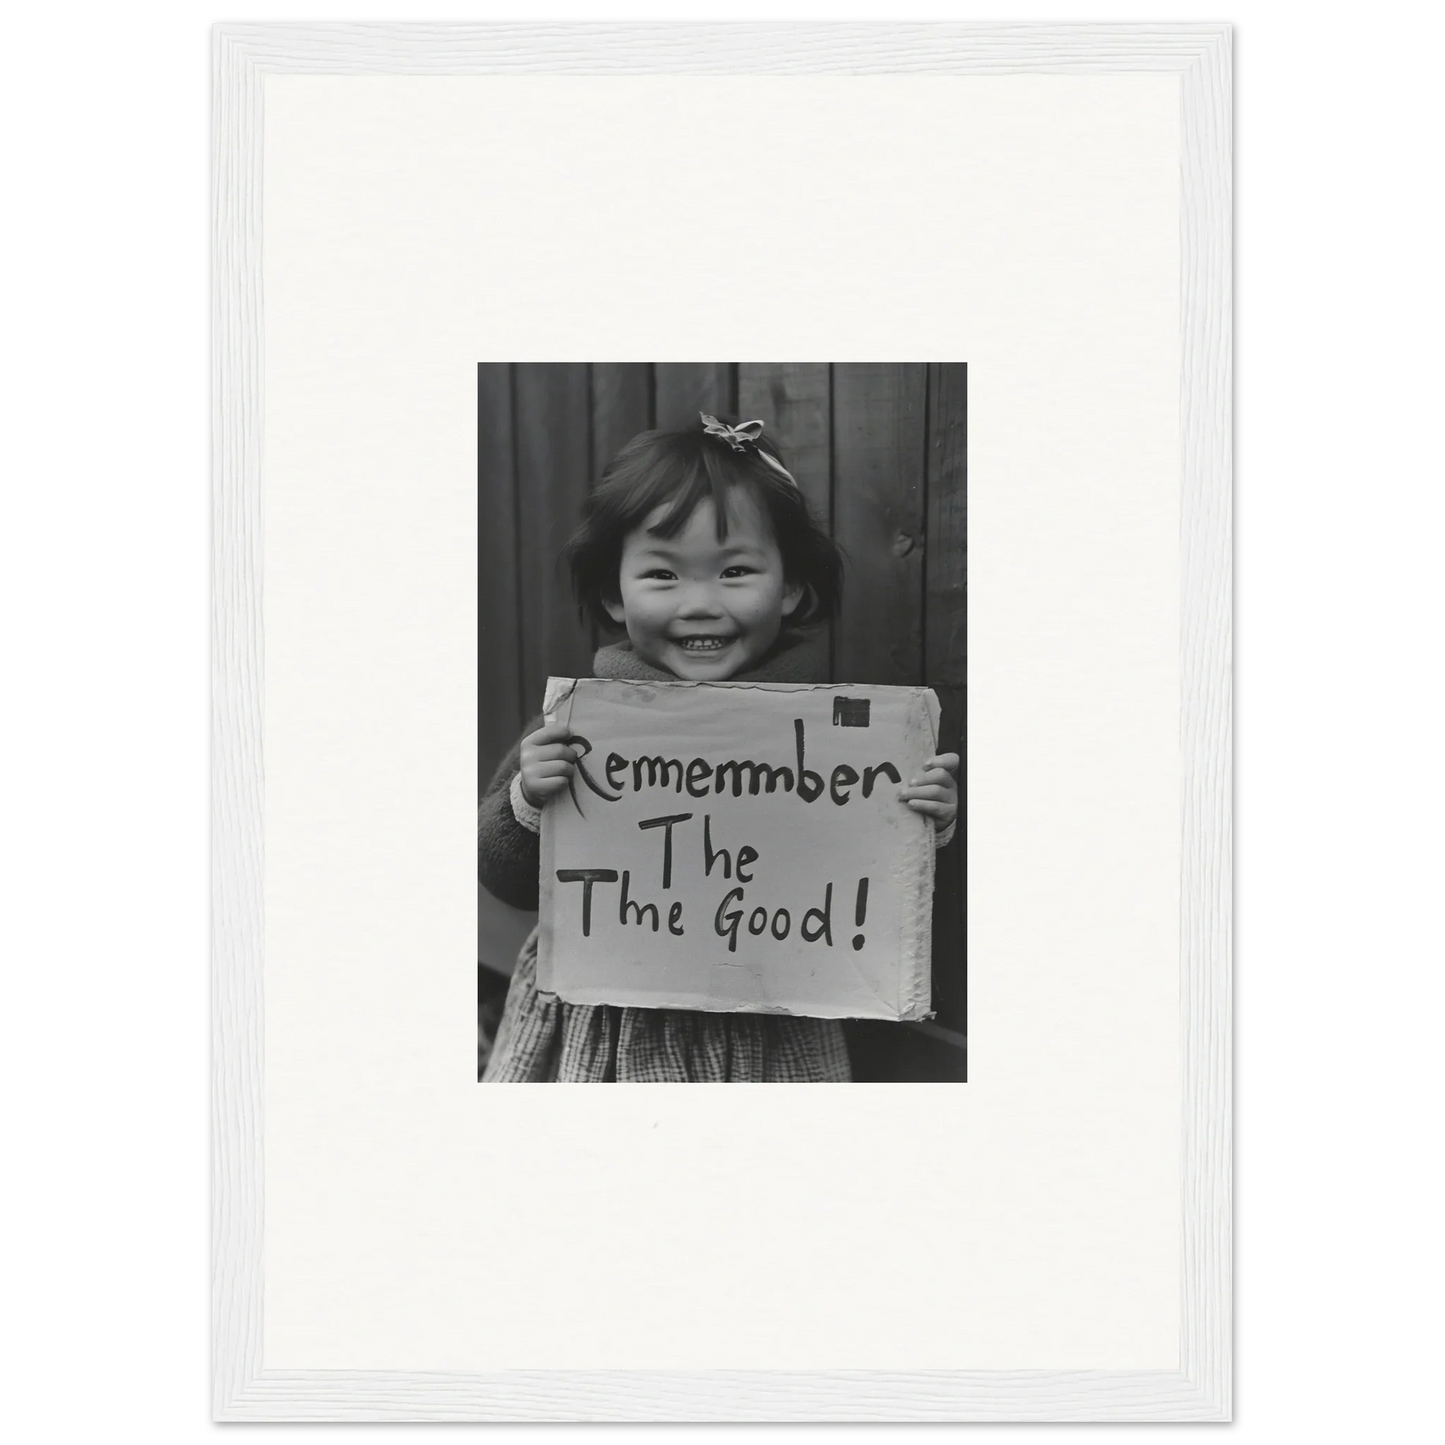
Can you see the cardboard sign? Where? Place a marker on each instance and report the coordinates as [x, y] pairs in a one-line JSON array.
[[740, 847]]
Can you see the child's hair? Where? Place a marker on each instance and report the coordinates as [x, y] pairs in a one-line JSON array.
[[679, 469]]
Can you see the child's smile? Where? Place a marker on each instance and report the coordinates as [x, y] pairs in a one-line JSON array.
[[702, 608]]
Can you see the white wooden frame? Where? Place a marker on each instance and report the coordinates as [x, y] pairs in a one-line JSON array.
[[1200, 1390]]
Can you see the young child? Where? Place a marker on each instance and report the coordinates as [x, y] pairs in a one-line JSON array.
[[699, 545]]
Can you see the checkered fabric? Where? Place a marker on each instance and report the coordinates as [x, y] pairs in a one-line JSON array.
[[544, 1040]]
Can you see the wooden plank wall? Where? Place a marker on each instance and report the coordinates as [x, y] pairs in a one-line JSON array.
[[500, 714], [945, 663], [879, 450]]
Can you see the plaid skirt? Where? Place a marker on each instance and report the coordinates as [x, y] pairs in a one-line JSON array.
[[541, 1039]]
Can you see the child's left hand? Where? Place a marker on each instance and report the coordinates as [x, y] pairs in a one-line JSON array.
[[935, 790]]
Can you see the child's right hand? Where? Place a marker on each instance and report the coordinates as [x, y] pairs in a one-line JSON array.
[[548, 763]]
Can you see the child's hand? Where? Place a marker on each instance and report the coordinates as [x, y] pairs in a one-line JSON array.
[[548, 763], [935, 790]]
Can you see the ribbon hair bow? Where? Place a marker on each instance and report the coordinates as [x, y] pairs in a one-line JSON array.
[[742, 436]]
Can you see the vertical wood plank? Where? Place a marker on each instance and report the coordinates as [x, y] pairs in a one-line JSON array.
[[879, 518], [946, 666], [950, 879], [946, 563], [553, 439], [499, 707], [794, 400], [685, 388], [621, 407]]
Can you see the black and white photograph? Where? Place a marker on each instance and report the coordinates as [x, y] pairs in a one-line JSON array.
[[722, 668]]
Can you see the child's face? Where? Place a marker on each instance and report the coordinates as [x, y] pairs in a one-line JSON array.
[[699, 608]]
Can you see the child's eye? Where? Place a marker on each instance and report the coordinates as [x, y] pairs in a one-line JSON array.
[[659, 574], [739, 571]]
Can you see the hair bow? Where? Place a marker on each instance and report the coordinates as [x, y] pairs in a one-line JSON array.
[[740, 437]]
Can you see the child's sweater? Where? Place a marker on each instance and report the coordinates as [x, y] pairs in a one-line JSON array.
[[542, 1038]]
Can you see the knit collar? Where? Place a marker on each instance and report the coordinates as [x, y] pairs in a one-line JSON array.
[[799, 656]]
